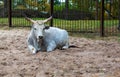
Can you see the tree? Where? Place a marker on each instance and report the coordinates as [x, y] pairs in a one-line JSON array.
[[18, 4], [83, 5], [115, 7], [2, 4], [4, 7], [56, 2], [41, 5], [67, 4]]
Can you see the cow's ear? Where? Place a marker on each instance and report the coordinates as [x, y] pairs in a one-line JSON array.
[[46, 27]]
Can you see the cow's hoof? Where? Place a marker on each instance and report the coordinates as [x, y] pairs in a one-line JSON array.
[[49, 50], [38, 49], [65, 47], [34, 52]]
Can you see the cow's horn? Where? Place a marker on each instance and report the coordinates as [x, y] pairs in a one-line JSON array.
[[47, 19], [29, 19]]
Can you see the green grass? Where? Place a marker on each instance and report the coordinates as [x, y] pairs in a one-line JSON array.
[[79, 25], [3, 20]]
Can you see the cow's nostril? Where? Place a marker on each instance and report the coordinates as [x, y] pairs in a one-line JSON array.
[[40, 37]]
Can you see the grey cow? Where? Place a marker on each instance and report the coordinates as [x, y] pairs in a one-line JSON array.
[[46, 38]]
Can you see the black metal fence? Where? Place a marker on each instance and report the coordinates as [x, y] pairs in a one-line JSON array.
[[83, 16]]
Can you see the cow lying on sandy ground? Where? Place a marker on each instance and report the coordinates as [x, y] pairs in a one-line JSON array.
[[46, 38]]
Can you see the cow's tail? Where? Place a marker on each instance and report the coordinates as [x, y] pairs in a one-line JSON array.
[[73, 46]]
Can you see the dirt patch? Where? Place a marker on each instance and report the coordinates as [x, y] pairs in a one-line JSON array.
[[94, 58]]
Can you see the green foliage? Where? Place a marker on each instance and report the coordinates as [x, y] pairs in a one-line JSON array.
[[115, 8], [1, 4], [59, 7], [41, 5], [16, 4], [56, 2], [82, 5]]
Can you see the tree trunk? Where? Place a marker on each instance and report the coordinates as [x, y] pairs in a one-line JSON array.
[[66, 8], [119, 16], [5, 8]]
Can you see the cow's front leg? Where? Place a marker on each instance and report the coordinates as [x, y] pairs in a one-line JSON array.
[[36, 45], [30, 43], [51, 46], [32, 49]]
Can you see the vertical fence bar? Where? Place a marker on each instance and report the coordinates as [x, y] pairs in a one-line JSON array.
[[102, 32], [51, 11], [9, 13]]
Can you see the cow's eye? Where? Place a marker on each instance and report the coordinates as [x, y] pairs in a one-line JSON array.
[[35, 29]]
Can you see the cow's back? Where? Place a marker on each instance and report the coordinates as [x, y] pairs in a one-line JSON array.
[[60, 36]]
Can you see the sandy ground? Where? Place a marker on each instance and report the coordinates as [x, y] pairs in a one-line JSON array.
[[94, 58]]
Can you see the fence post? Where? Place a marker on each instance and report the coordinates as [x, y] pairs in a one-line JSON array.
[[119, 13], [51, 11], [9, 13], [102, 32], [119, 16]]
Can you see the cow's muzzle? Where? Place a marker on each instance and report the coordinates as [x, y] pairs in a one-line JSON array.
[[40, 37]]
